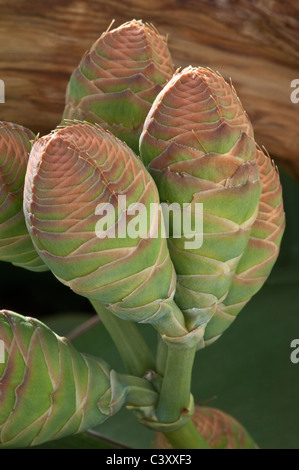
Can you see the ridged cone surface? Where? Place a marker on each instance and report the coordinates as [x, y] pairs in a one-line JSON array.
[[118, 79], [15, 243], [260, 254], [198, 144], [48, 390], [70, 173], [219, 429]]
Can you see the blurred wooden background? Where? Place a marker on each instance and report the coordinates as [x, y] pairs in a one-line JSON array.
[[256, 43]]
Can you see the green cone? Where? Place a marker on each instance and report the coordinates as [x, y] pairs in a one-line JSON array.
[[198, 145], [260, 254], [70, 173], [48, 389], [15, 243], [118, 79]]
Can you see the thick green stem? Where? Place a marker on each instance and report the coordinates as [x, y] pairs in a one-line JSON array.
[[175, 391], [175, 360], [187, 437], [130, 344]]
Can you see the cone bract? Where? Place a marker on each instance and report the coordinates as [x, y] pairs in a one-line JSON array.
[[118, 79], [198, 144], [260, 253], [15, 243], [48, 389], [70, 173]]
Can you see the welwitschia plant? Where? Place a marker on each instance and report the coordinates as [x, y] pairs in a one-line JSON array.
[[137, 144]]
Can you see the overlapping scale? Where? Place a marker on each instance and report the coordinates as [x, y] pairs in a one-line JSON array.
[[15, 243], [70, 173], [198, 144], [48, 389], [260, 254], [118, 79]]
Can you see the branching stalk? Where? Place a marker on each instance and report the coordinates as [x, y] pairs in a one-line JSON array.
[[175, 392], [130, 344]]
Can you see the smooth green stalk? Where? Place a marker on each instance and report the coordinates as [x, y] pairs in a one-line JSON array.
[[175, 360], [175, 392], [187, 437], [131, 346]]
